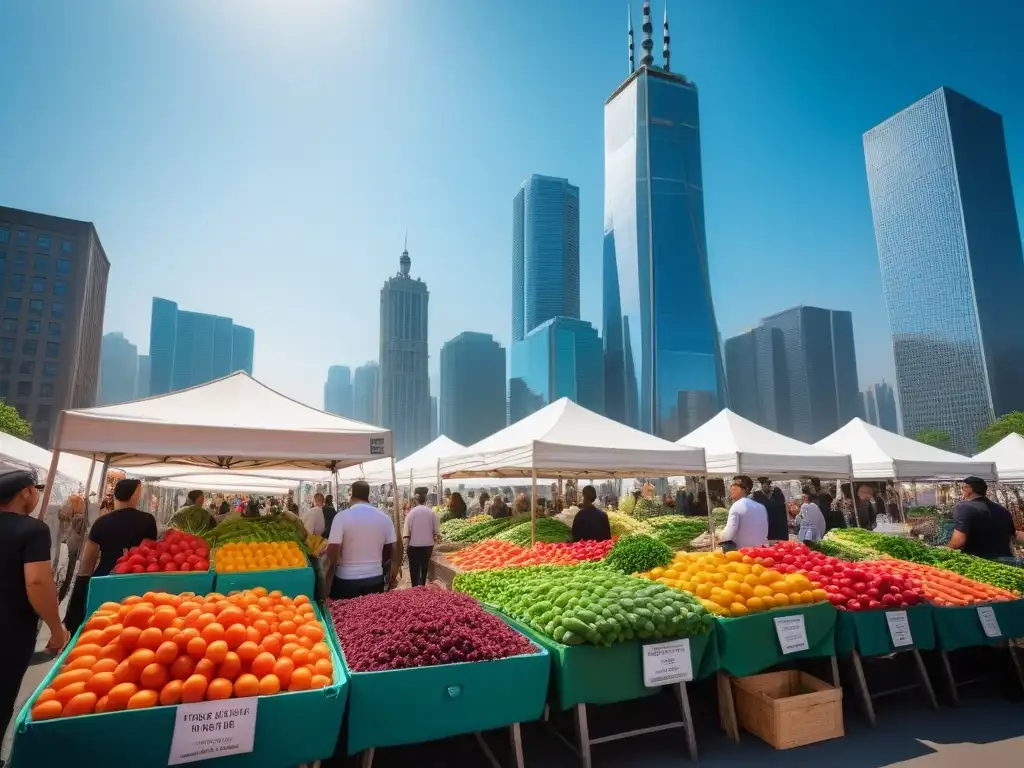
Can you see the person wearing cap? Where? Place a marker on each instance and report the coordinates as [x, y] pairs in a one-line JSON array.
[[421, 530], [747, 525], [981, 527], [27, 591]]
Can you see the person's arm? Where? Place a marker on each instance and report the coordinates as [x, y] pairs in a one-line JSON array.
[[576, 527], [90, 557], [405, 529], [391, 564], [334, 539], [732, 525], [40, 588], [151, 532], [961, 527], [607, 527], [436, 523]]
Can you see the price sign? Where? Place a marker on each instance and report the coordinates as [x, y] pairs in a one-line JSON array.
[[989, 623], [211, 729], [666, 663], [899, 628], [792, 633]]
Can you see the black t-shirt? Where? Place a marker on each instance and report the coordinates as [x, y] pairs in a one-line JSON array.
[[989, 527], [117, 531], [23, 540], [591, 524]]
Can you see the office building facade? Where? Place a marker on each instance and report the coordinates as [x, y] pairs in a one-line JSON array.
[[142, 379], [950, 254], [119, 370], [660, 333], [364, 393], [885, 404], [869, 408], [53, 280], [755, 370], [338, 392], [472, 387], [404, 389], [435, 423], [243, 347]]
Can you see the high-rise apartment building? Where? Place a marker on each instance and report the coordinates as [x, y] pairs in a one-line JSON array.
[[142, 380], [949, 248], [119, 370], [660, 334], [404, 388], [869, 407], [338, 391], [545, 253], [885, 404], [191, 348], [821, 367], [364, 393], [560, 358], [435, 425], [53, 280], [755, 370], [472, 387]]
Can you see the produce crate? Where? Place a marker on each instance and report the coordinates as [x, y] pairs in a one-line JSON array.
[[867, 632], [291, 729], [291, 581], [749, 644], [444, 700], [960, 627], [591, 674], [789, 709], [117, 587]]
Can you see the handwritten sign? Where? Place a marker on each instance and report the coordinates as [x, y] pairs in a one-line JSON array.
[[792, 633], [211, 729], [666, 663], [989, 622], [899, 628]]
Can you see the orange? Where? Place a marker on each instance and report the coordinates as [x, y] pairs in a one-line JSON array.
[[287, 627], [111, 633], [231, 615], [151, 638], [217, 651], [253, 635], [130, 600], [92, 637], [82, 662], [102, 705], [89, 649], [143, 699], [163, 617], [126, 673], [182, 667], [262, 627], [118, 696], [248, 651], [320, 681], [306, 642], [68, 692], [138, 616], [48, 694], [193, 689], [313, 631], [104, 665], [46, 710], [166, 652], [181, 639], [301, 600], [196, 648], [302, 657], [321, 651], [272, 645], [171, 693], [235, 635], [263, 664], [301, 680], [206, 668], [206, 618], [247, 685], [82, 704], [129, 637], [269, 684], [67, 678], [101, 683], [323, 667], [283, 668], [154, 677], [142, 657], [113, 652], [288, 649], [231, 667], [219, 688], [185, 607], [212, 631]]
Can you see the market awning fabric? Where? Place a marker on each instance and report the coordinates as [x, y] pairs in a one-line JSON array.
[[422, 464], [224, 482], [1008, 455], [233, 423], [21, 454], [734, 445], [880, 455], [564, 439]]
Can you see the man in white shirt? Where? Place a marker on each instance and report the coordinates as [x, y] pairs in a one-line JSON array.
[[747, 525], [359, 548], [313, 518], [421, 531]]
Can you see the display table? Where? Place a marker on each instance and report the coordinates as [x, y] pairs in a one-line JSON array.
[[115, 588], [289, 581], [963, 627], [440, 570]]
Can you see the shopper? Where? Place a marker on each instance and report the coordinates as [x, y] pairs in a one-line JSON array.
[[313, 518], [484, 501], [421, 531], [27, 591], [73, 518], [775, 502], [590, 523], [194, 517], [809, 521], [457, 507], [499, 508], [329, 513], [359, 549], [868, 506], [747, 525], [981, 527]]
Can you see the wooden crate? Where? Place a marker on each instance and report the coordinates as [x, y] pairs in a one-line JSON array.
[[789, 709]]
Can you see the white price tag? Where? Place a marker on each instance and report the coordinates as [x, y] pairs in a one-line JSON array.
[[899, 628], [989, 622], [666, 663], [210, 729], [792, 633]]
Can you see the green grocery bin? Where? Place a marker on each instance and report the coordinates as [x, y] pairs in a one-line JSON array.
[[291, 581], [960, 626], [867, 632], [749, 644], [291, 729], [117, 587]]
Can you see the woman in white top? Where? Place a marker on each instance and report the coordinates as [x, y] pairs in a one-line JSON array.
[[747, 525], [809, 521]]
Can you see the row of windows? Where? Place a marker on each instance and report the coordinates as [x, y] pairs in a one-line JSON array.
[[29, 347], [19, 260], [35, 306], [37, 285], [43, 242], [10, 325], [7, 368], [24, 389]]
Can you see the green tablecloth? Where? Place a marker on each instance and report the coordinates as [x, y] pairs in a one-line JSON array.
[[867, 632], [749, 645], [960, 627]]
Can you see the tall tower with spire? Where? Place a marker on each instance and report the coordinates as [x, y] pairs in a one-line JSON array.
[[403, 394]]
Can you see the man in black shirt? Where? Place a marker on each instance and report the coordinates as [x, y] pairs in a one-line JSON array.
[[980, 526], [590, 523], [27, 591], [774, 502]]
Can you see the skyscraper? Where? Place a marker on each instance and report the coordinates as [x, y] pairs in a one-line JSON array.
[[472, 387], [821, 366], [338, 391], [53, 282], [142, 380], [660, 335], [885, 403], [364, 393], [950, 253], [119, 370], [435, 427], [755, 369], [404, 382], [545, 253], [191, 348], [870, 407]]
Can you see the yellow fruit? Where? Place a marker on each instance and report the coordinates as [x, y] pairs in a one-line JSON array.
[[703, 590], [731, 586], [819, 595], [738, 609], [807, 597], [780, 599], [746, 590], [743, 569], [781, 586], [751, 579], [762, 591], [772, 577], [757, 569], [768, 601], [734, 555], [656, 572], [755, 604], [725, 597], [795, 578]]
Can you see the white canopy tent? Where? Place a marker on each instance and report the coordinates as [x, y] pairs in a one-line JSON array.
[[1008, 455], [882, 455], [417, 467], [71, 470], [734, 445], [224, 483]]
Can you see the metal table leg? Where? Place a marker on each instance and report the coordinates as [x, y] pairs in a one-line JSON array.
[[727, 707], [366, 758], [863, 694], [691, 736], [583, 735], [950, 680], [926, 682], [517, 744]]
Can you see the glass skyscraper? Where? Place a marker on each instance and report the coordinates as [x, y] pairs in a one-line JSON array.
[[119, 370], [950, 253], [472, 387], [663, 362], [755, 369], [364, 393], [885, 407], [338, 391]]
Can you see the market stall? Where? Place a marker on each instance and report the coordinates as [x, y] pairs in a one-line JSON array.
[[1008, 456], [418, 468]]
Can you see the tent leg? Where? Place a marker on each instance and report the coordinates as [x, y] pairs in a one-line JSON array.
[[396, 558], [533, 509]]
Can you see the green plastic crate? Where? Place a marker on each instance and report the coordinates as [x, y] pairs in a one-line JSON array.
[[291, 728], [291, 581], [959, 626], [749, 644], [117, 587], [867, 632]]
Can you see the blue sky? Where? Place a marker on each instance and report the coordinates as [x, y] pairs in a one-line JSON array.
[[263, 159]]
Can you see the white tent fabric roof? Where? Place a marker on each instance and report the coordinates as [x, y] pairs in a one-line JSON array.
[[1008, 455], [232, 423], [734, 445], [564, 439], [422, 464], [879, 455], [232, 481], [22, 454]]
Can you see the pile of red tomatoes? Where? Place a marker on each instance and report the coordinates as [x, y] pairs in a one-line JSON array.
[[176, 551]]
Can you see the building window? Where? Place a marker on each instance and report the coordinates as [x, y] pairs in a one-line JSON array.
[[24, 388], [63, 267], [54, 329], [46, 389], [35, 306], [7, 346], [65, 246], [17, 282], [27, 367], [52, 349], [20, 260], [60, 288], [41, 263], [57, 309], [5, 387], [5, 365], [12, 304], [10, 325], [3, 260], [5, 234], [43, 243], [29, 347], [50, 370], [42, 413], [39, 285], [33, 326], [22, 237]]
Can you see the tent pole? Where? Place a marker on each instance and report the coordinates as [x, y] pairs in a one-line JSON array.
[[853, 493], [396, 557], [88, 482], [533, 508], [337, 490], [52, 473]]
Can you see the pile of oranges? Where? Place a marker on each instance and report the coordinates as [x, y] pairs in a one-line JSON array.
[[177, 649], [258, 556]]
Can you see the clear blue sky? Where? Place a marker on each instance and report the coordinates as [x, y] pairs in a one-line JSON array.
[[263, 159]]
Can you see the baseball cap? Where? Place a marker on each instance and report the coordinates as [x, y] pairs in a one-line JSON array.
[[13, 481]]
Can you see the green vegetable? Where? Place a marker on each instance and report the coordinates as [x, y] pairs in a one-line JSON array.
[[677, 531], [549, 530], [280, 527], [645, 509], [486, 529], [192, 519], [637, 553]]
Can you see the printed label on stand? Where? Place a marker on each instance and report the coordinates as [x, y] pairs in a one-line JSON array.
[[666, 663], [792, 633], [899, 628], [989, 622], [209, 729]]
